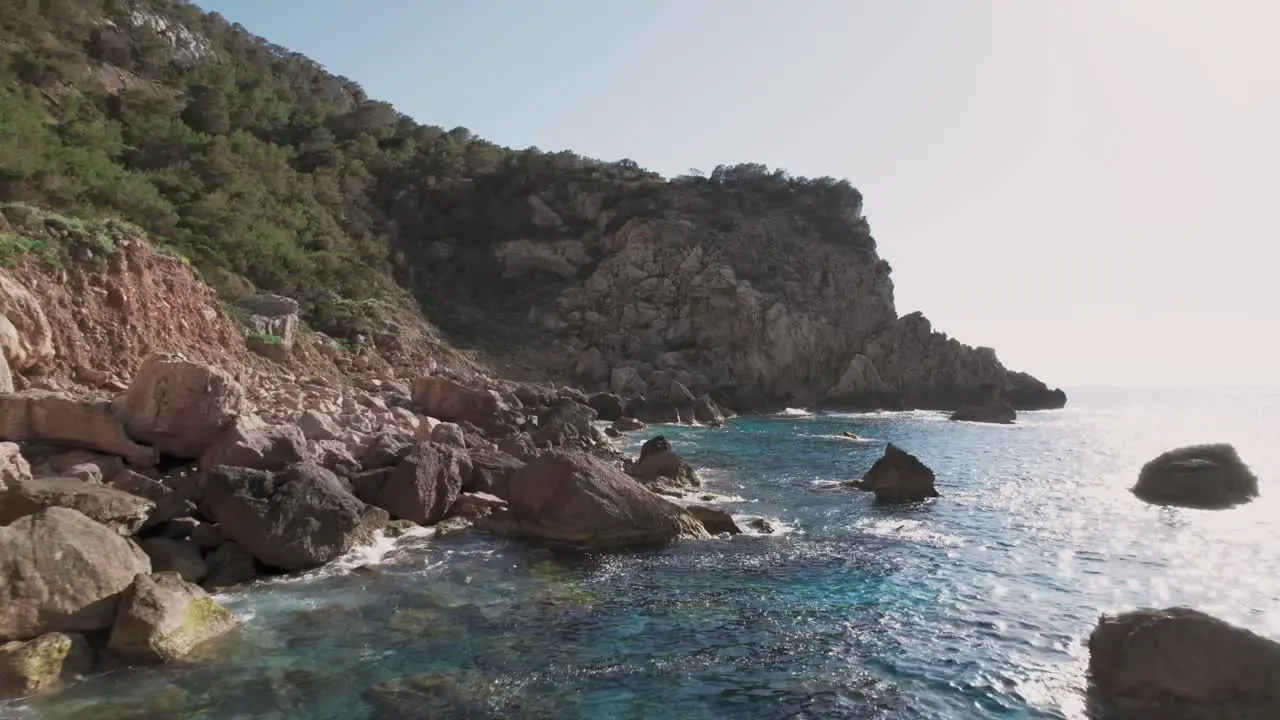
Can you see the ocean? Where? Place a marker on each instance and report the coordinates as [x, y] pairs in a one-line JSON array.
[[974, 605]]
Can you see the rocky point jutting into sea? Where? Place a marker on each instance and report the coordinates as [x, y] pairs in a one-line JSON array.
[[307, 409]]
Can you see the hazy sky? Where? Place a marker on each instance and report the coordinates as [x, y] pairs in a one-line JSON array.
[[1089, 186]]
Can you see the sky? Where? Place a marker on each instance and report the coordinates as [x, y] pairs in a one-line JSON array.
[[1090, 187]]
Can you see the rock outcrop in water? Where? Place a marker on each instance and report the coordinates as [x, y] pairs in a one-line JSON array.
[[1210, 477], [898, 477], [1188, 659]]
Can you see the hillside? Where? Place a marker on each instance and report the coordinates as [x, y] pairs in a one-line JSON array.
[[270, 174]]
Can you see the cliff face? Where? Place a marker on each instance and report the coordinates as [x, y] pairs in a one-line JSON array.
[[273, 176]]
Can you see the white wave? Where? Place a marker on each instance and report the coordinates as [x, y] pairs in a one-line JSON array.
[[793, 412], [779, 528], [916, 530], [846, 438]]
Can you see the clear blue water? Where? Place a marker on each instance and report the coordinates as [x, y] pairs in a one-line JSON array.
[[975, 605]]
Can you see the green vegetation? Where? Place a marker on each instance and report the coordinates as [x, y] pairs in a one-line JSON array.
[[264, 338], [255, 163]]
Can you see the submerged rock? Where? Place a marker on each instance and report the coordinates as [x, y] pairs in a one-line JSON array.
[[62, 573], [39, 664], [161, 617], [1210, 477], [1184, 656], [898, 477], [715, 521], [298, 518], [575, 500]]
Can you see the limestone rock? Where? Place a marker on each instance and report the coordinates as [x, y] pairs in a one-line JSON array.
[[39, 664], [716, 521], [229, 564], [659, 466], [386, 449], [317, 426], [707, 412], [121, 512], [898, 477], [859, 386], [13, 466], [446, 400], [425, 484], [161, 618], [608, 407], [179, 406], [180, 556], [26, 337], [996, 411], [1183, 656], [627, 424], [44, 416], [573, 499], [272, 316], [66, 464], [63, 573], [1211, 477], [565, 423], [250, 442], [491, 472], [298, 518], [447, 433], [473, 506]]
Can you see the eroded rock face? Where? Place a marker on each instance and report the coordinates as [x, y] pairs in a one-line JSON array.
[[898, 477], [572, 499], [59, 419], [63, 573], [298, 518], [123, 513], [161, 617], [178, 406], [1184, 656], [716, 521], [270, 315], [26, 337], [1210, 477], [39, 664], [662, 467]]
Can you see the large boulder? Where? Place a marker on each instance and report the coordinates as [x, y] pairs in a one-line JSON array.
[[40, 415], [997, 411], [161, 617], [898, 477], [386, 449], [446, 400], [298, 518], [250, 442], [120, 511], [176, 555], [62, 573], [565, 423], [707, 412], [178, 406], [1184, 656], [491, 472], [425, 484], [627, 424], [660, 466], [572, 499], [1210, 477], [608, 407], [39, 664], [716, 521]]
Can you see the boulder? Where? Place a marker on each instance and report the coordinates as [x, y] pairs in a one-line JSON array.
[[655, 444], [473, 506], [446, 400], [425, 484], [997, 411], [627, 424], [368, 484], [608, 407], [180, 556], [491, 472], [178, 406], [565, 423], [707, 412], [229, 564], [63, 573], [123, 513], [572, 499], [1210, 477], [252, 443], [161, 617], [207, 536], [43, 416], [272, 316], [447, 433], [39, 664], [68, 464], [519, 446], [1186, 657], [386, 449], [716, 521], [12, 465], [294, 519], [318, 426], [664, 467], [898, 477], [84, 472], [26, 338]]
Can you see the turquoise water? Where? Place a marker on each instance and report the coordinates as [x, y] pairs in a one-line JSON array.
[[975, 605]]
